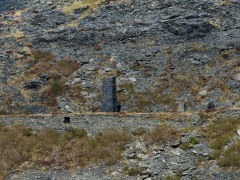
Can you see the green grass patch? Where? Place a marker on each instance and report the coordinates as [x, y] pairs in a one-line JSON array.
[[231, 157], [219, 134]]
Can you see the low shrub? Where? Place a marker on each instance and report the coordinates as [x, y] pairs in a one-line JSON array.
[[52, 91], [185, 146], [188, 145], [42, 56], [193, 140]]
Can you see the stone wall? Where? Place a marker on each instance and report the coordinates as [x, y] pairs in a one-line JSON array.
[[97, 122], [94, 123]]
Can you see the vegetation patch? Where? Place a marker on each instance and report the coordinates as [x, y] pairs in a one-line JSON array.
[[161, 134], [45, 62], [153, 97], [219, 134], [57, 72], [188, 145], [160, 116], [133, 171], [81, 4], [231, 157], [48, 148], [50, 93]]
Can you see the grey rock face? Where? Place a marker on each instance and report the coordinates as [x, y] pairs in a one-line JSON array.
[[174, 48], [34, 110], [201, 149], [6, 5]]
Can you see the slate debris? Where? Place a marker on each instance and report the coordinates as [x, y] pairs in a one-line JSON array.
[[7, 5]]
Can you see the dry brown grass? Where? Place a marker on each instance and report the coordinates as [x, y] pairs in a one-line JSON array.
[[129, 88], [75, 93], [106, 147], [141, 102], [161, 134], [14, 148], [220, 131], [153, 97], [121, 97], [197, 47], [40, 68], [66, 67], [47, 148], [42, 56], [44, 61], [59, 73]]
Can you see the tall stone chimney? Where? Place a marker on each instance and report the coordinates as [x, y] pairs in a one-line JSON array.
[[109, 97]]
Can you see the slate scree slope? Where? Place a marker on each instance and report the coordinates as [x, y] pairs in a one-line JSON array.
[[162, 53]]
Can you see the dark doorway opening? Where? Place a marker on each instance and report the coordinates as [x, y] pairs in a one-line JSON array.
[[66, 120]]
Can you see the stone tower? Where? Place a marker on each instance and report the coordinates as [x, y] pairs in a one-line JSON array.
[[109, 97]]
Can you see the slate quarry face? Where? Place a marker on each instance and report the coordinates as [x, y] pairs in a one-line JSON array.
[[7, 5], [109, 98], [162, 52]]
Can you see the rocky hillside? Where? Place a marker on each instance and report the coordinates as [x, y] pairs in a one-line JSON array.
[[150, 146], [165, 54]]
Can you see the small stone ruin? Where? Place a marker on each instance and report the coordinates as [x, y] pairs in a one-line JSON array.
[[211, 105]]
